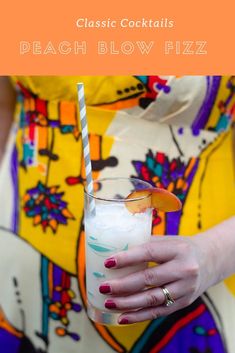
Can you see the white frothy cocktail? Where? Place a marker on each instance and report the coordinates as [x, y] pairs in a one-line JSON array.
[[113, 228]]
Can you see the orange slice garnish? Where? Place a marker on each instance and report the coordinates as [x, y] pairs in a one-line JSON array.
[[160, 199]]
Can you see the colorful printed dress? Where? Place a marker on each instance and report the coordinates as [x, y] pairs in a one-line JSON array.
[[174, 132]]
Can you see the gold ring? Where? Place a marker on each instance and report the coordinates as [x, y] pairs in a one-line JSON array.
[[168, 298]]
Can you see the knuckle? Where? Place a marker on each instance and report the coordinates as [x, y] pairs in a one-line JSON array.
[[192, 289], [149, 277], [152, 299], [153, 314], [192, 270], [149, 251], [184, 247]]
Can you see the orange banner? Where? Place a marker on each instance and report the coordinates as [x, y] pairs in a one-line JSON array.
[[123, 37]]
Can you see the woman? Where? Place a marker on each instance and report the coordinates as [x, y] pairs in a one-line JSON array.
[[174, 132]]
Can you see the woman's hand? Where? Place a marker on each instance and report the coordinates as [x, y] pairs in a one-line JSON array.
[[186, 266]]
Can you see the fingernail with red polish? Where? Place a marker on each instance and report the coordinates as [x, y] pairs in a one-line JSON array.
[[111, 262], [123, 321], [105, 289], [109, 304]]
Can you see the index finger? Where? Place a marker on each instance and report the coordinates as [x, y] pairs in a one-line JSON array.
[[156, 250]]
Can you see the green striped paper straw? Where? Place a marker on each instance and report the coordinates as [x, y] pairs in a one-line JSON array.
[[86, 146]]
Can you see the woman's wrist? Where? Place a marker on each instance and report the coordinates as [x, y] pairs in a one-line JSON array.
[[219, 242]]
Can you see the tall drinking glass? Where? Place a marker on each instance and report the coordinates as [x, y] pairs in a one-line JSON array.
[[111, 228]]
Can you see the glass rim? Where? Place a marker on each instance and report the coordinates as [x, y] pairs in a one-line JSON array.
[[119, 200]]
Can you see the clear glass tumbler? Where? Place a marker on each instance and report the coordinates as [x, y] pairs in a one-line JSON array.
[[110, 228]]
